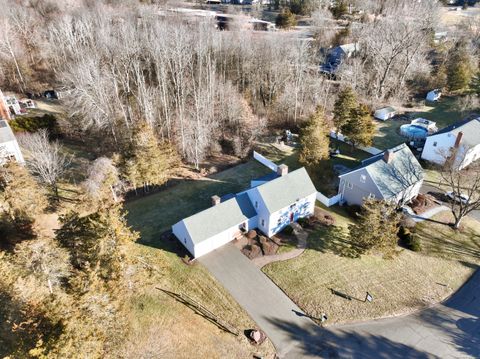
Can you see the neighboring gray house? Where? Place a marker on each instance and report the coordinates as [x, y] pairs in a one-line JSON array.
[[394, 174], [269, 206]]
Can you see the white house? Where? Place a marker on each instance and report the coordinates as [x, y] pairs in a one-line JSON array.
[[9, 148], [393, 175], [434, 95], [268, 207], [461, 138], [385, 113]]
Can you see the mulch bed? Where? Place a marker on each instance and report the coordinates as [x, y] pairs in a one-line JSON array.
[[422, 203], [262, 246]]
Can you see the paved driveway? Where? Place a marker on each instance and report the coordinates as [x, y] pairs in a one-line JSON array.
[[256, 293], [447, 330]]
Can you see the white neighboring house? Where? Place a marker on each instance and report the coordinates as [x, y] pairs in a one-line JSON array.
[[434, 95], [9, 148], [269, 207], [461, 138], [385, 113], [393, 175]]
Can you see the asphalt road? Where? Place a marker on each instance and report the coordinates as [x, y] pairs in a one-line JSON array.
[[447, 330]]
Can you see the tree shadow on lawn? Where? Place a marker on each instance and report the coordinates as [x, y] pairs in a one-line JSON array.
[[444, 244], [333, 239]]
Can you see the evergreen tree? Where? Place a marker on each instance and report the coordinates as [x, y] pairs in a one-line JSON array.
[[376, 227], [344, 106], [459, 69], [475, 84], [339, 9], [96, 243], [286, 19], [21, 200], [147, 162], [314, 140], [360, 128]]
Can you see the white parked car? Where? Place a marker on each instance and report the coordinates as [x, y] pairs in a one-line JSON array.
[[458, 197]]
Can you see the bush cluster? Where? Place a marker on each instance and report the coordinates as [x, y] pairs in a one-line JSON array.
[[409, 239]]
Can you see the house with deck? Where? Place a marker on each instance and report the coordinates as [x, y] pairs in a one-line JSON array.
[[393, 175], [460, 140], [269, 205]]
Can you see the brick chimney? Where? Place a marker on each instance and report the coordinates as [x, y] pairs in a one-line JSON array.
[[388, 156], [458, 139], [215, 200], [282, 170]]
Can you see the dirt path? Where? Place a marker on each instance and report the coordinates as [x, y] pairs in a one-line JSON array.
[[301, 235]]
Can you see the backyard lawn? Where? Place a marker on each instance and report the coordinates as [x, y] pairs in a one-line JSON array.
[[408, 282], [442, 112]]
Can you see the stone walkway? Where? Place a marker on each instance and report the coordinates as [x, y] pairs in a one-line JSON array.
[[301, 235]]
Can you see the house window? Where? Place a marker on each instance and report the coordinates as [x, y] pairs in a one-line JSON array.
[[435, 144], [256, 204], [263, 223], [185, 240], [371, 196], [363, 178], [349, 185]]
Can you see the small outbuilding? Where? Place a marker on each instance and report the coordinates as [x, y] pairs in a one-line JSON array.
[[434, 95], [385, 113]]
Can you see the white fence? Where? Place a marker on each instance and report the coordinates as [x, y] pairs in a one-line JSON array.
[[264, 161], [340, 137], [328, 201]]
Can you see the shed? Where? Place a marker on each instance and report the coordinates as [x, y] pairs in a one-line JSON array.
[[385, 113], [434, 95]]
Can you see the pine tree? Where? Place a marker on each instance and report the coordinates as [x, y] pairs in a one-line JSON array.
[[376, 227], [459, 69], [360, 128], [314, 140], [475, 84], [147, 162], [344, 106], [22, 197], [96, 243]]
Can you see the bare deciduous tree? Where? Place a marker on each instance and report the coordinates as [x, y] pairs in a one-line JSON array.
[[44, 159]]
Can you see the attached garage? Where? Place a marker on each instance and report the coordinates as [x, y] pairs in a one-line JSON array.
[[216, 226]]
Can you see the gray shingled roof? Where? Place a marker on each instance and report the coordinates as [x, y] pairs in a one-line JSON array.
[[219, 218], [470, 129], [402, 172], [6, 134], [285, 190]]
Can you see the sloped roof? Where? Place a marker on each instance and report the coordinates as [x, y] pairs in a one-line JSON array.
[[392, 178], [285, 190], [219, 218], [470, 128], [6, 134]]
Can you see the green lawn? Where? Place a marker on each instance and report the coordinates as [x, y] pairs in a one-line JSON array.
[[408, 282], [442, 112], [152, 215]]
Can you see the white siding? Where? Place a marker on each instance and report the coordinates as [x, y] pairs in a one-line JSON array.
[[278, 220], [437, 147], [180, 231], [410, 193], [11, 148], [262, 212]]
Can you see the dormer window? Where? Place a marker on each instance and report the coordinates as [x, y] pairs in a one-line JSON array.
[[256, 204], [435, 144], [363, 178]]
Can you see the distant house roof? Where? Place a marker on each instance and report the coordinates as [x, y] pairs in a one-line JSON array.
[[470, 128], [285, 190], [6, 134], [219, 218], [392, 178], [388, 109]]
